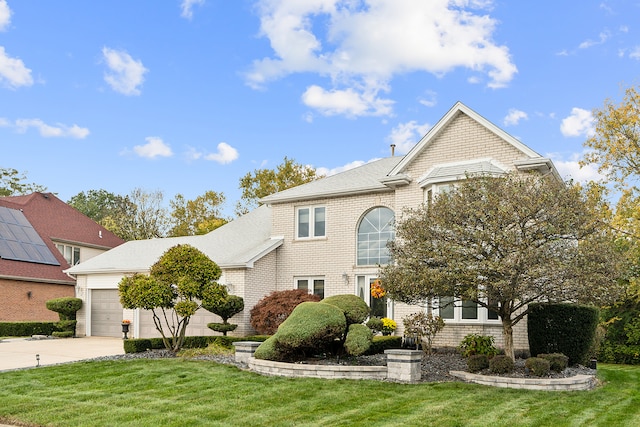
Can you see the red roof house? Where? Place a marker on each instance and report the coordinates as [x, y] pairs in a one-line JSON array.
[[40, 236]]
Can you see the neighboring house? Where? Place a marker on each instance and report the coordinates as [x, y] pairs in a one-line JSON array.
[[329, 236], [40, 237]]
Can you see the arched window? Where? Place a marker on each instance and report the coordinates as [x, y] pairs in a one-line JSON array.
[[374, 231]]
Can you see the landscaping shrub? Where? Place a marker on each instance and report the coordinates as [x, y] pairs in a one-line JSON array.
[[66, 307], [26, 329], [621, 322], [562, 328], [381, 343], [222, 327], [65, 329], [537, 366], [353, 307], [268, 351], [477, 344], [557, 361], [63, 334], [311, 327], [375, 324], [358, 339], [422, 327], [477, 362], [501, 364], [138, 345], [274, 308]]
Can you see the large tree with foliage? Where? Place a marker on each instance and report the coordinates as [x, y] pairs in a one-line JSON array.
[[140, 215], [263, 182], [504, 243], [102, 206], [12, 183], [178, 284], [198, 216]]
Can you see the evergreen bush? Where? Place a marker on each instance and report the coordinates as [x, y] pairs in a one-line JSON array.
[[477, 344], [477, 362], [558, 362], [26, 329], [358, 340], [311, 327], [353, 307], [381, 343], [562, 328], [537, 366], [66, 307], [501, 364]]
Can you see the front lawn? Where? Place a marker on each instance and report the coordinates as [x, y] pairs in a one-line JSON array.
[[176, 392]]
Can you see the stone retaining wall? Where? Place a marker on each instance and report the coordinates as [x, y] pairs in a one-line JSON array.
[[577, 382]]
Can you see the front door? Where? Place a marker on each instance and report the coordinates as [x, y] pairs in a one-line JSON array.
[[380, 307]]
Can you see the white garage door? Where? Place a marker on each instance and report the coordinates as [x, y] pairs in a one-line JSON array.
[[106, 313]]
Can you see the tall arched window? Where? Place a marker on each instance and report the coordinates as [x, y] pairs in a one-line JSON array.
[[374, 231]]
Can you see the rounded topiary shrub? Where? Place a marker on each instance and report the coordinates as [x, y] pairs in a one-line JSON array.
[[66, 307], [537, 366], [558, 362], [358, 339], [501, 364], [268, 351], [273, 309], [353, 307], [312, 326], [477, 362], [375, 324], [222, 327]]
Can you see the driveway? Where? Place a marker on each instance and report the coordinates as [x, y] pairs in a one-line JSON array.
[[17, 353]]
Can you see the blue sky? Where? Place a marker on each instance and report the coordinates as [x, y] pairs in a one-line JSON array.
[[187, 96]]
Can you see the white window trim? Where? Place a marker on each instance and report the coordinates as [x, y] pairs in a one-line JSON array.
[[311, 280], [312, 222], [483, 314], [367, 292]]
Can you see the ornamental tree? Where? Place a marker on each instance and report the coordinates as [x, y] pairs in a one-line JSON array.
[[503, 243], [178, 284], [226, 308]]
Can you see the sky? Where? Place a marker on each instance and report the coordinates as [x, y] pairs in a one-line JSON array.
[[188, 96]]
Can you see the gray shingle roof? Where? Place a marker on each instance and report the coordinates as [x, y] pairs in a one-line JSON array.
[[236, 244], [363, 179], [455, 172]]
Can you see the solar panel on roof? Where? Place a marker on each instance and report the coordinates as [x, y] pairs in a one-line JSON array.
[[19, 241]]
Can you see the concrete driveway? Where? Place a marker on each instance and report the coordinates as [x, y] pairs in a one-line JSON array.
[[18, 353]]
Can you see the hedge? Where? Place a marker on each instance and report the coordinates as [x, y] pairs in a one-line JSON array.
[[139, 345], [562, 328], [26, 329], [381, 343]]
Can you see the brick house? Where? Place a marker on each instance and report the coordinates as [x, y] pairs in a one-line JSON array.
[[329, 236], [40, 236]]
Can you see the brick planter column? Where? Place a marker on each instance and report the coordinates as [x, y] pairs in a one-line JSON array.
[[245, 350], [404, 365]]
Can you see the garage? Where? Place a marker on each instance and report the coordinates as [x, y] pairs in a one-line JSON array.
[[106, 313]]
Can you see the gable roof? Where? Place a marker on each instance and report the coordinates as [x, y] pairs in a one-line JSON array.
[[459, 108], [53, 220], [367, 178], [237, 244]]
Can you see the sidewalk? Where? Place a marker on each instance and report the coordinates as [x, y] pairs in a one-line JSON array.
[[18, 353]]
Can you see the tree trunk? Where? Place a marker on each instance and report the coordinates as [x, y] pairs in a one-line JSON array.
[[507, 335]]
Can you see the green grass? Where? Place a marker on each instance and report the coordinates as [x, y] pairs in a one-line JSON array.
[[180, 392]]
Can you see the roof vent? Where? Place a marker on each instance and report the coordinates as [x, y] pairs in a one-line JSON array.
[[393, 150]]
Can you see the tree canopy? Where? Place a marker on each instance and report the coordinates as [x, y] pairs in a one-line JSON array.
[[178, 284], [198, 216], [504, 242], [12, 183], [263, 182]]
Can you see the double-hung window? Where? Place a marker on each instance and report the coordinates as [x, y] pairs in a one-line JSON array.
[[457, 310], [71, 253], [310, 222], [315, 285]]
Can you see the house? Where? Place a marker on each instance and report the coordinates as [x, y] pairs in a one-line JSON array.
[[40, 237], [329, 236]]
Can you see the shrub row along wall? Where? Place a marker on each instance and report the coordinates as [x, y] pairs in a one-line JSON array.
[[27, 329], [139, 345]]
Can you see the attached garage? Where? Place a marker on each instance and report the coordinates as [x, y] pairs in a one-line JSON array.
[[106, 313]]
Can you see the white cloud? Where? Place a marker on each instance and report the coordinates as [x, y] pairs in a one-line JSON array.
[[514, 116], [5, 15], [49, 131], [125, 74], [570, 168], [322, 171], [635, 53], [347, 102], [430, 100], [362, 45], [187, 7], [13, 72], [602, 38], [155, 147], [226, 154], [406, 135], [579, 123]]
